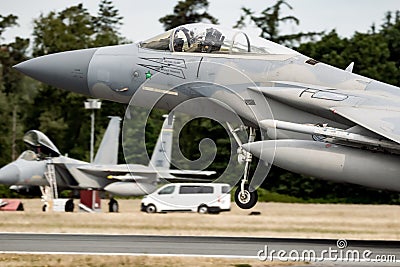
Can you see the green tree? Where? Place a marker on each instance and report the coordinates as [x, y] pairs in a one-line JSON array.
[[391, 33], [15, 92], [371, 53], [69, 29], [106, 24], [269, 22], [188, 11], [6, 22], [60, 114]]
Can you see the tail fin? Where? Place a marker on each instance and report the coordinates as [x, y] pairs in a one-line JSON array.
[[161, 158], [108, 150]]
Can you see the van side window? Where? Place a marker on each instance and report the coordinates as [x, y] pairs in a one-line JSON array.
[[207, 189], [188, 189], [167, 190], [225, 189], [192, 189]]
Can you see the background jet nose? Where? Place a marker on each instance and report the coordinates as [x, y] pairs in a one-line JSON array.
[[9, 174], [66, 70]]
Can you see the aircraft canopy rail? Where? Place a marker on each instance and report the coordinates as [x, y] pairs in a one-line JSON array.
[[209, 38]]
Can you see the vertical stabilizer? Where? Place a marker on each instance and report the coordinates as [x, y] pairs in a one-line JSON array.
[[161, 158], [108, 150]]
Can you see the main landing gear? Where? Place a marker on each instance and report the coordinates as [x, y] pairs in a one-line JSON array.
[[245, 196]]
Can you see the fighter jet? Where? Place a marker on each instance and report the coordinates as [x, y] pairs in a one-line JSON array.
[[314, 118], [34, 168]]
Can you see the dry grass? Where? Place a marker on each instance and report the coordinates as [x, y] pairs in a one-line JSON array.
[[276, 220], [17, 260]]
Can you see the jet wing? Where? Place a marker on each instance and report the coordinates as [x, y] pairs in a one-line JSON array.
[[136, 170], [376, 113], [128, 178], [119, 169], [384, 122], [191, 172]]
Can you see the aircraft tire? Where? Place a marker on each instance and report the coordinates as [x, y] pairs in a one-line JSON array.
[[202, 209], [246, 200], [113, 205], [151, 208], [45, 207], [69, 205]]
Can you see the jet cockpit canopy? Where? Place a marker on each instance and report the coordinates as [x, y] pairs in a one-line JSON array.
[[209, 38], [39, 141]]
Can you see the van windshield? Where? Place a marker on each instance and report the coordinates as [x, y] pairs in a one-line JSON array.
[[167, 190]]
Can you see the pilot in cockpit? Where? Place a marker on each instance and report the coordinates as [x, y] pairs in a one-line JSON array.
[[182, 40], [213, 40], [204, 42]]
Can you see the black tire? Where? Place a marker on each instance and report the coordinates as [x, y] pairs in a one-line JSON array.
[[214, 210], [45, 207], [151, 208], [247, 200], [69, 205], [20, 207], [113, 205], [202, 209]]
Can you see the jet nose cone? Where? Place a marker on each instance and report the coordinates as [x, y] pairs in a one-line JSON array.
[[9, 174], [66, 70]]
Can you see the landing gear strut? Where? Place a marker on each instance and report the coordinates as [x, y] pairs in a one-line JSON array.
[[245, 196]]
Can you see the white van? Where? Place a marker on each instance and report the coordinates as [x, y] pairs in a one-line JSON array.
[[195, 197]]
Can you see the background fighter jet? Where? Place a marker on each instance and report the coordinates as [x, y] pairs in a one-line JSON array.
[[34, 168], [315, 119]]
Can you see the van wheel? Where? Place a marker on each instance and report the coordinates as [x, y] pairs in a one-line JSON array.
[[151, 209], [214, 210], [203, 209]]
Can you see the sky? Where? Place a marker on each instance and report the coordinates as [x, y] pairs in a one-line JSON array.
[[141, 17]]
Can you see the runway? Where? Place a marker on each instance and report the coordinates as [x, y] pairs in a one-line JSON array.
[[325, 250]]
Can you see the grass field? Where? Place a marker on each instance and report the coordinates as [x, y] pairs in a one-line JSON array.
[[16, 260], [276, 220]]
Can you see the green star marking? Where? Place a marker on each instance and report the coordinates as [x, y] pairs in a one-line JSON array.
[[148, 75]]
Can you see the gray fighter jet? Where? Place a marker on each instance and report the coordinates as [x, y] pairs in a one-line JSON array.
[[33, 168], [315, 119]]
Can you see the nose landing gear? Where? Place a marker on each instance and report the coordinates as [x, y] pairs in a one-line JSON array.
[[246, 197]]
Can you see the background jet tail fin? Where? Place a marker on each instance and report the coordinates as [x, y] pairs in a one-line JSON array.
[[108, 150], [161, 158]]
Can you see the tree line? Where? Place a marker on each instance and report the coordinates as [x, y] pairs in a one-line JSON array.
[[26, 104]]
